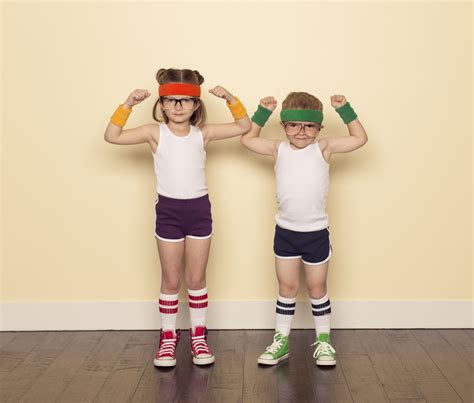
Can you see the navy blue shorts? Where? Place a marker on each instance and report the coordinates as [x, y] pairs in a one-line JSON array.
[[312, 247], [177, 219]]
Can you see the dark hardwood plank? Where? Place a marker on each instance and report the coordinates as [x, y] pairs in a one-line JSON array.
[[92, 375], [294, 381], [51, 383], [461, 341], [395, 379], [260, 382], [21, 378], [429, 380], [362, 379], [14, 352], [457, 371], [333, 393], [226, 377], [6, 337], [328, 383], [123, 380]]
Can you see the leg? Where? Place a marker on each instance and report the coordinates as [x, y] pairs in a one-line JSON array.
[[288, 275], [196, 255], [171, 258], [316, 277]]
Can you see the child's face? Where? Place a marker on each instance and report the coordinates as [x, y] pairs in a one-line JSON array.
[[179, 108], [301, 134]]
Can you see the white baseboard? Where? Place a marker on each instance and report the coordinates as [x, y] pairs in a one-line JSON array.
[[104, 315]]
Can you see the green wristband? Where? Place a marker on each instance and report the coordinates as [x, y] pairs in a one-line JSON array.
[[347, 113], [261, 115]]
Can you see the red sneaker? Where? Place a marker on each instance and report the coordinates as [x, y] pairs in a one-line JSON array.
[[166, 353], [201, 352]]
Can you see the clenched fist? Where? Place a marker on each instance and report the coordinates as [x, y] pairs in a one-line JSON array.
[[136, 97], [338, 100], [221, 92], [269, 103]]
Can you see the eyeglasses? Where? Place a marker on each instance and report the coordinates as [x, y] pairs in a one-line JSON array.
[[293, 128], [185, 103]]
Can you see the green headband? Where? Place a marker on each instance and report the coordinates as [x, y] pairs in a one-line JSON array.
[[301, 115]]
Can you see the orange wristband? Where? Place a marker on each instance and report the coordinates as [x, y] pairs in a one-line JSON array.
[[237, 109], [120, 116]]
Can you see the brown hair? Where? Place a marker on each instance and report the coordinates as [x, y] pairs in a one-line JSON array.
[[302, 100], [186, 76]]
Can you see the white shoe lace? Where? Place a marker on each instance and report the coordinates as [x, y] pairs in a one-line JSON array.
[[167, 347], [323, 348], [200, 345], [275, 345]]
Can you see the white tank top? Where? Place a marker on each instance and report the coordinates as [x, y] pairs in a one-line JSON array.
[[180, 164], [302, 183]]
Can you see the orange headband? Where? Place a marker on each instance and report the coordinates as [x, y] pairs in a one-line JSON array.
[[180, 89]]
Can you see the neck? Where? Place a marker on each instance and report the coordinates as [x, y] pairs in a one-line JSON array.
[[179, 127]]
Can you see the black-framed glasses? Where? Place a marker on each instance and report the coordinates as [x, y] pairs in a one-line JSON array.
[[293, 128], [185, 103]]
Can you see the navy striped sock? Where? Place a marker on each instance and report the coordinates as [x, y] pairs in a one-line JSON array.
[[285, 310], [322, 314]]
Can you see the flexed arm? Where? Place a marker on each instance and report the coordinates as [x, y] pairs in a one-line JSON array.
[[114, 132], [251, 140], [241, 122], [357, 135]]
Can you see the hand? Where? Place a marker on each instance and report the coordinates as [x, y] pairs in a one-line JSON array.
[[338, 100], [136, 97], [269, 103], [221, 92]]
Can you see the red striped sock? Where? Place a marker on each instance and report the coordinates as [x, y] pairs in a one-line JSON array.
[[168, 311], [197, 307]]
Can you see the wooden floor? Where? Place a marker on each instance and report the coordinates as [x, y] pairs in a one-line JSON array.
[[117, 366]]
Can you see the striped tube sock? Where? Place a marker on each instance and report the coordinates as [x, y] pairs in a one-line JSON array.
[[197, 307], [285, 310], [168, 311], [322, 314]]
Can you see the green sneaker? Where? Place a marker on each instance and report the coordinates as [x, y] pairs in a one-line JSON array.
[[278, 351], [324, 353]]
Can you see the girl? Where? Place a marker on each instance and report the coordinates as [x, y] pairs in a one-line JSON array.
[[183, 225], [301, 234]]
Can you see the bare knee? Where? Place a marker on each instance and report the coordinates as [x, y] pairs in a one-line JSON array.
[[317, 291], [288, 290], [170, 284], [195, 281]]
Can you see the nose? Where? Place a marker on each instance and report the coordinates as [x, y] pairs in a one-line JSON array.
[[178, 104]]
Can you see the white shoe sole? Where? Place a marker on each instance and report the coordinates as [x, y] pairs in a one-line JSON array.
[[325, 362], [204, 361], [164, 363], [264, 361]]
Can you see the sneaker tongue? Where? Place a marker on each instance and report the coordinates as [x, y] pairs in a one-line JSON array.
[[168, 334], [323, 337], [199, 331]]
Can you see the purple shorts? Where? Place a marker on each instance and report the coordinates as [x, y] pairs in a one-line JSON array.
[[177, 219]]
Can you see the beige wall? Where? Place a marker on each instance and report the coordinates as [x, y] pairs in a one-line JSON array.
[[77, 213]]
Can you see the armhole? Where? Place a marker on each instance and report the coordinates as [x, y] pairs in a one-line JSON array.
[[201, 136], [320, 152], [159, 138], [278, 149]]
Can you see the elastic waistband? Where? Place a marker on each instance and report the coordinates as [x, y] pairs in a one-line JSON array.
[[171, 200]]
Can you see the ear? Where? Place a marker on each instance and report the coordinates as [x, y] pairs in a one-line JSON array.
[[282, 125]]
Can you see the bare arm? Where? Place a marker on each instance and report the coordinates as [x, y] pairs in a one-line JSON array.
[[356, 139], [115, 134], [253, 142], [226, 130]]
